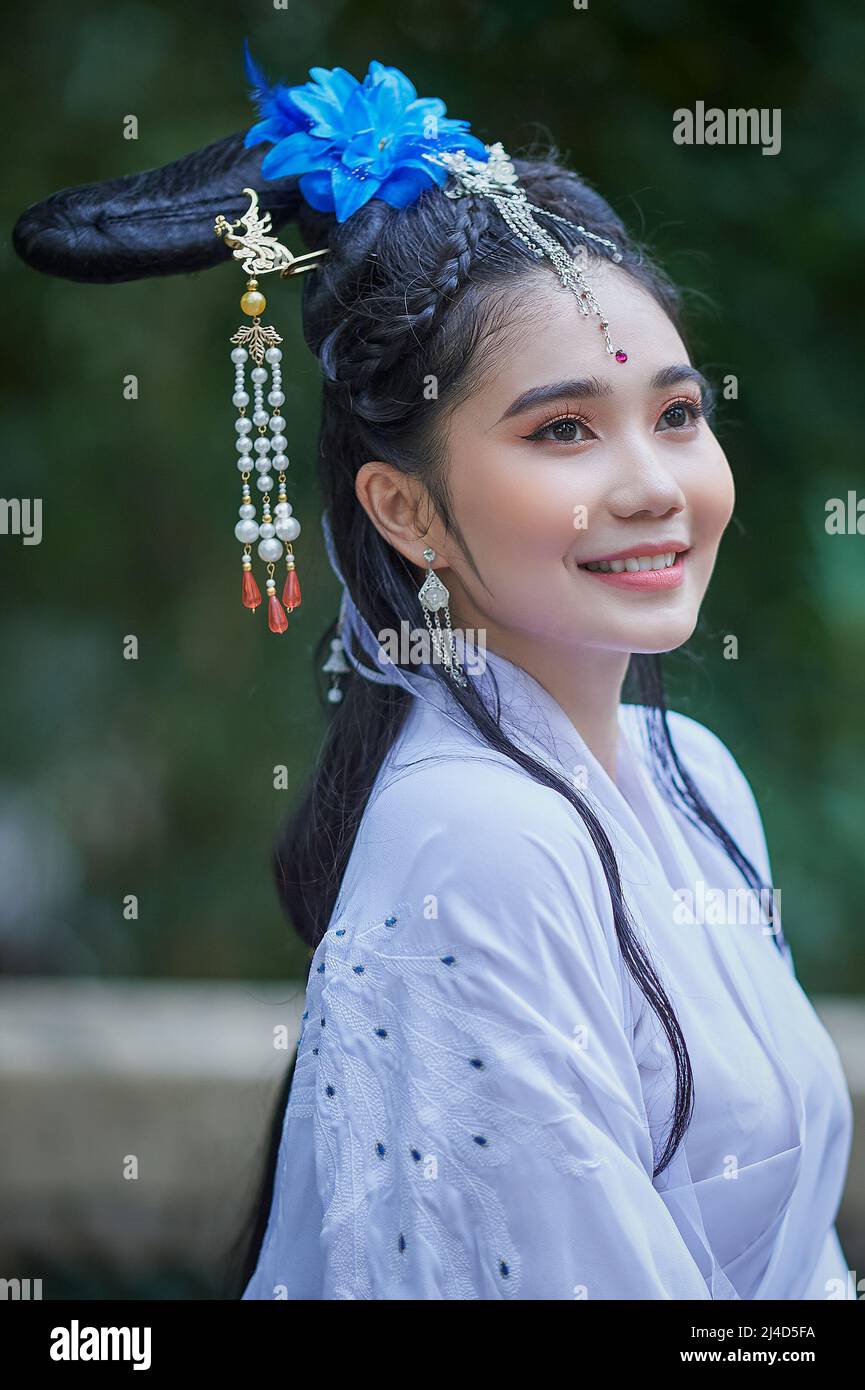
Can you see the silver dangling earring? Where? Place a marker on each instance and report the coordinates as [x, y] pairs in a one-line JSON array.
[[434, 598], [336, 664]]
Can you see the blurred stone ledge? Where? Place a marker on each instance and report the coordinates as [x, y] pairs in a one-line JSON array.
[[184, 1076]]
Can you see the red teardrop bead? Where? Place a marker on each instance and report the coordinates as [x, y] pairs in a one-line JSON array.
[[250, 591], [291, 592], [276, 618]]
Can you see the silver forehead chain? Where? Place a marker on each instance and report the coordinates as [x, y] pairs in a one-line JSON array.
[[498, 180]]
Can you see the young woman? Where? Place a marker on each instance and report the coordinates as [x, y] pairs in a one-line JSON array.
[[553, 1044]]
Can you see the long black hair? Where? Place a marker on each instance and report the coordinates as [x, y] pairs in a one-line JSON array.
[[404, 297]]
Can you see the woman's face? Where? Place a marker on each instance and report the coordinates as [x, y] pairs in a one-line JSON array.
[[570, 473]]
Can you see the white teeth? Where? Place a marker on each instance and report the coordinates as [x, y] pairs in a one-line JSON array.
[[633, 564]]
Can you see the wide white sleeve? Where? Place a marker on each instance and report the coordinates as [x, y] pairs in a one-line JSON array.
[[477, 1120]]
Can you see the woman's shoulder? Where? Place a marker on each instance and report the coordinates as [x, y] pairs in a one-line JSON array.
[[466, 870], [706, 753], [500, 856], [722, 782], [443, 781]]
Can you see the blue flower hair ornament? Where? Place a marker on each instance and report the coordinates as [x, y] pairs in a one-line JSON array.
[[349, 141]]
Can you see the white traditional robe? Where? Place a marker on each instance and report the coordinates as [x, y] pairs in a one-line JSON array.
[[479, 1082]]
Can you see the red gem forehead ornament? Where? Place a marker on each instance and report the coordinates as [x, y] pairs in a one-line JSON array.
[[498, 180]]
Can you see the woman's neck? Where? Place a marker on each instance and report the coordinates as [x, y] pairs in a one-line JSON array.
[[585, 681]]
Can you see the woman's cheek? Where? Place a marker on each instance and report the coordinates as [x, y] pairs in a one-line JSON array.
[[711, 496], [538, 524]]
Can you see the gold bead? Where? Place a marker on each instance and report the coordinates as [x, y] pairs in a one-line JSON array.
[[253, 303]]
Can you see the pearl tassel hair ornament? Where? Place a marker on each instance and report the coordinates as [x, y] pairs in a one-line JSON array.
[[255, 350]]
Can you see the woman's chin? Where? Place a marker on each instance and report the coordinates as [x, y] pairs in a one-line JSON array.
[[652, 639], [649, 636]]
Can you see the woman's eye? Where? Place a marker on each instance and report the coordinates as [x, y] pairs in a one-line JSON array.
[[681, 414], [567, 430], [571, 429]]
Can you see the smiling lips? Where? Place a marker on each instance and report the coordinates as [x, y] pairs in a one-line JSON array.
[[633, 569]]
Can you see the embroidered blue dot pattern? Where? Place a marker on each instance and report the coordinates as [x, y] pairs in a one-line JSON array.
[[362, 1090]]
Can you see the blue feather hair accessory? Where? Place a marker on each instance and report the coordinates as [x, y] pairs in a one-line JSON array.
[[350, 141]]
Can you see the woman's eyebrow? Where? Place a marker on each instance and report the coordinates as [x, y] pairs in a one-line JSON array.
[[590, 388]]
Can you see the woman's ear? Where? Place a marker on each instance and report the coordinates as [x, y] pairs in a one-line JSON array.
[[400, 509]]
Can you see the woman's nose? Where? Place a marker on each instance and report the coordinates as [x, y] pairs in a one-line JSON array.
[[646, 486]]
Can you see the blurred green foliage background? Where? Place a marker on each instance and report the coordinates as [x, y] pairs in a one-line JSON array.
[[155, 776]]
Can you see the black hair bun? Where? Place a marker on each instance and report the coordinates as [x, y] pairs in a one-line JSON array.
[[159, 222]]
